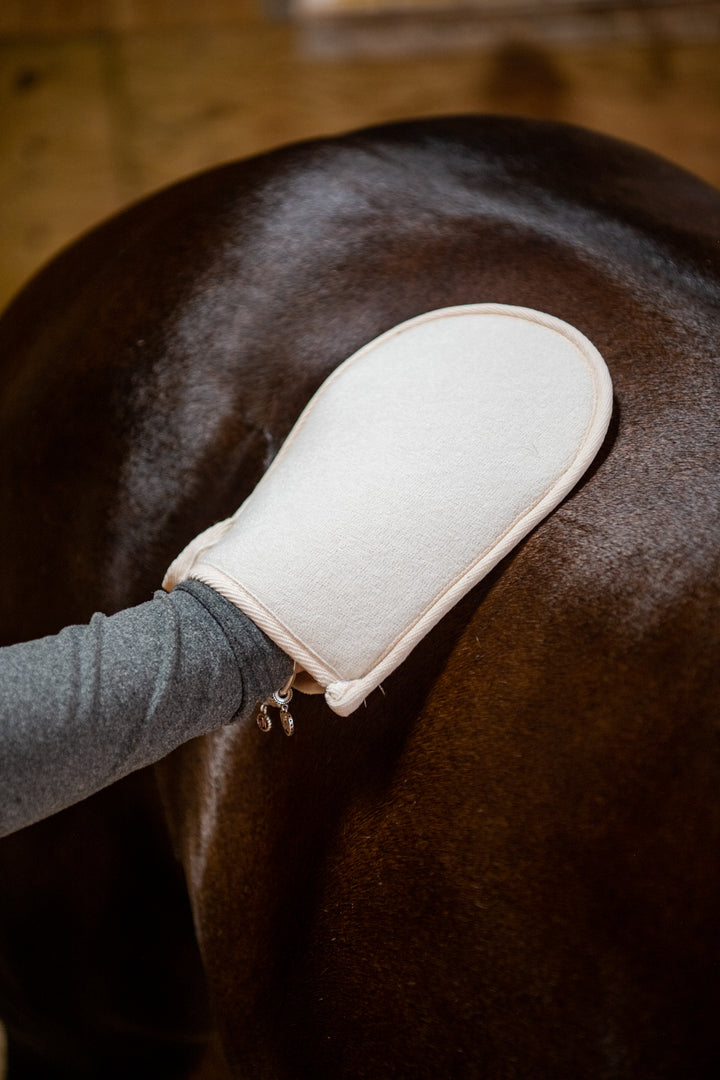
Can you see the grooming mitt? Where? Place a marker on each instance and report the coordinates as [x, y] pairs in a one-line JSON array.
[[416, 467]]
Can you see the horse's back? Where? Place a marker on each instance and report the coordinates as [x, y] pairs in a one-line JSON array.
[[504, 864]]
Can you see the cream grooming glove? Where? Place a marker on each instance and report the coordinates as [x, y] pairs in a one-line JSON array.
[[419, 463]]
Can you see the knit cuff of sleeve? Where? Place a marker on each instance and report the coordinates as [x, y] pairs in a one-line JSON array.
[[262, 665]]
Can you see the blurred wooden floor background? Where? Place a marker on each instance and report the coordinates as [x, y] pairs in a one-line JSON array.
[[102, 101]]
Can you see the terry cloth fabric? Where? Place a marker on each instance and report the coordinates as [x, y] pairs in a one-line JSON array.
[[420, 463]]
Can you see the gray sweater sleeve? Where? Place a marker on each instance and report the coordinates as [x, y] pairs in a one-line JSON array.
[[88, 706]]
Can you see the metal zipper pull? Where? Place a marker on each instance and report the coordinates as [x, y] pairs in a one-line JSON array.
[[279, 701]]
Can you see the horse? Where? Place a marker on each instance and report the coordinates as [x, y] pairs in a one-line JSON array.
[[504, 865]]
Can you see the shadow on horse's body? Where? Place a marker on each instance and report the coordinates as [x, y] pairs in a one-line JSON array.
[[505, 865]]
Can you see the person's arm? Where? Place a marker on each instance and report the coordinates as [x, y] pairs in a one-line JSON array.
[[86, 707]]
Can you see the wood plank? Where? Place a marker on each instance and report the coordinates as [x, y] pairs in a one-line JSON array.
[[57, 166], [79, 16]]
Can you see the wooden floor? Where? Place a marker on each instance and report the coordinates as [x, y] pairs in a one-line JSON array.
[[103, 102]]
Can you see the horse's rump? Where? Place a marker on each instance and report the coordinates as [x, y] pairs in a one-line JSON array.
[[505, 864]]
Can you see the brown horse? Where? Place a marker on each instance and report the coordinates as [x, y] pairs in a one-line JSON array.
[[506, 865]]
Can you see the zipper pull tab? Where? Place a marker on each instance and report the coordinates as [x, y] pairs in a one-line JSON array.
[[279, 701]]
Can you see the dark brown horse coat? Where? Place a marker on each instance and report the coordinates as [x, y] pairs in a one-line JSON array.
[[506, 865]]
